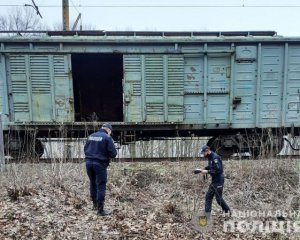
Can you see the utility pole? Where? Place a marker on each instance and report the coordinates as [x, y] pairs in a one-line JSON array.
[[65, 15]]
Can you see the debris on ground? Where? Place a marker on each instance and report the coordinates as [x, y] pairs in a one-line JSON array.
[[149, 200]]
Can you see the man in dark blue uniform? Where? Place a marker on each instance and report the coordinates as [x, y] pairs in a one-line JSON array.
[[98, 150], [215, 170]]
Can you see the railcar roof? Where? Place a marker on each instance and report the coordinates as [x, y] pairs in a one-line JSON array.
[[141, 36]]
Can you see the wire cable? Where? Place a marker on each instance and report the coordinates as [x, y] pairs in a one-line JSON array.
[[75, 7], [161, 6], [291, 145]]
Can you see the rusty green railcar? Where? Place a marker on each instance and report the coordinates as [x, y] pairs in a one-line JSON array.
[[241, 88]]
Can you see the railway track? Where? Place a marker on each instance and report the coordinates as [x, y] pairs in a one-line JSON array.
[[145, 160]]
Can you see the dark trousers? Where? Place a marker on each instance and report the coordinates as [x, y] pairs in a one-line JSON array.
[[215, 189], [97, 173]]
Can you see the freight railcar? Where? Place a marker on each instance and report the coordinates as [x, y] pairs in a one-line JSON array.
[[240, 88]]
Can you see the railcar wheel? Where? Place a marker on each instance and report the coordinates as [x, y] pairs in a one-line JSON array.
[[227, 151], [24, 149], [34, 149], [14, 147], [254, 151], [38, 148], [210, 143], [215, 144]]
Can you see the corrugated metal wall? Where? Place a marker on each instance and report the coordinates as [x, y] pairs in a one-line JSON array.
[[245, 87], [206, 89], [170, 88], [2, 95], [292, 108], [272, 60], [40, 87], [133, 89], [154, 88], [193, 89], [218, 88], [4, 109], [263, 79]]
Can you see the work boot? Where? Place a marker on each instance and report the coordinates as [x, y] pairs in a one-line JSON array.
[[207, 215], [227, 215], [95, 205], [102, 211]]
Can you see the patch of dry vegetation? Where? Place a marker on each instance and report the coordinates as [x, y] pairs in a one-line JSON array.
[[149, 200]]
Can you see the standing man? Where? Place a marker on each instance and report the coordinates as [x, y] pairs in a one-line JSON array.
[[215, 170], [98, 150]]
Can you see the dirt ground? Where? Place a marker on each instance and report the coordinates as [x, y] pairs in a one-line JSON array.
[[149, 200]]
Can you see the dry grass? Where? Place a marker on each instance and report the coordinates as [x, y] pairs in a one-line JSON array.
[[150, 200]]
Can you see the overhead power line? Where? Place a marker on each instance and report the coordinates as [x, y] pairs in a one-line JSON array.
[[161, 6], [75, 7], [35, 7]]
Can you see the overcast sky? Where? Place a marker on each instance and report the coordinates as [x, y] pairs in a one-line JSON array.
[[282, 16]]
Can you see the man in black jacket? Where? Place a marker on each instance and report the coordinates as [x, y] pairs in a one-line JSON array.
[[215, 170], [98, 150]]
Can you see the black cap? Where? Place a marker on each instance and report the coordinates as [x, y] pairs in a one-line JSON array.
[[107, 125], [204, 148]]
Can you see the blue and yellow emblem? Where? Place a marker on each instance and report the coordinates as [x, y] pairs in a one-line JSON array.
[[202, 221]]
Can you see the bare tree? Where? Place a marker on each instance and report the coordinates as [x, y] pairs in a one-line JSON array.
[[20, 19], [3, 23]]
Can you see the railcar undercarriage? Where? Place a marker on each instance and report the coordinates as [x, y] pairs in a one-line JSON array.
[[25, 140]]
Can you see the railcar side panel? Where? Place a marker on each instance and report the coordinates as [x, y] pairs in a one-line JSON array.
[[291, 110], [194, 88], [2, 82], [40, 88], [191, 82], [63, 91], [218, 89], [19, 88], [4, 108], [133, 85], [271, 91], [244, 88], [153, 88]]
